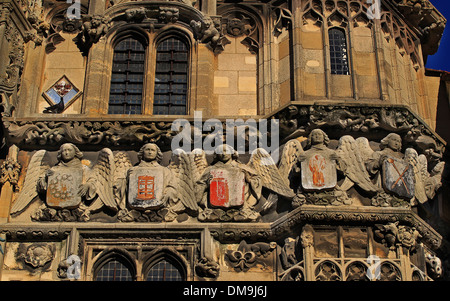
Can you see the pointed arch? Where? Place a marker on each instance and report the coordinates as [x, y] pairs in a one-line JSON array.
[[164, 264], [114, 265]]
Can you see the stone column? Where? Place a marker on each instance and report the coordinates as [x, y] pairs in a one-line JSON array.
[[307, 239]]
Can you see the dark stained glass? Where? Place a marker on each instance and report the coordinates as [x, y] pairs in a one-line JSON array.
[[171, 78], [127, 78], [164, 271], [338, 51]]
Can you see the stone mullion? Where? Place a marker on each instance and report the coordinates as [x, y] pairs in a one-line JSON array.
[[380, 58], [95, 93], [296, 47]]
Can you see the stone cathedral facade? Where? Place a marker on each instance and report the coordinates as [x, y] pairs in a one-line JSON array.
[[355, 186]]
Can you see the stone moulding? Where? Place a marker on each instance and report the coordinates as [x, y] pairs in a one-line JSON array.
[[352, 216], [295, 120], [234, 232]]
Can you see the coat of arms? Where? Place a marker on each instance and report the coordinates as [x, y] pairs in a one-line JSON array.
[[318, 171], [63, 186], [227, 188], [145, 188], [398, 177]]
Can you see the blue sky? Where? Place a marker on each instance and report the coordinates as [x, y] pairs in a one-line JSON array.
[[441, 60]]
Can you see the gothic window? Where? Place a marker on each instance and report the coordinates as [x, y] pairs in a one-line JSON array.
[[165, 270], [127, 77], [114, 269], [171, 78], [338, 51]]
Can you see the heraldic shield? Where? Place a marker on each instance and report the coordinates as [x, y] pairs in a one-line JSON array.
[[398, 177], [318, 172], [63, 186], [146, 187], [227, 188]]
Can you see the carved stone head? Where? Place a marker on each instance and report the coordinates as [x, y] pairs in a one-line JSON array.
[[150, 152], [67, 152], [225, 153], [317, 136], [392, 141]]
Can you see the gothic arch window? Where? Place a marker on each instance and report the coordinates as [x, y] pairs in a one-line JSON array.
[[338, 51], [164, 266], [114, 267], [164, 270], [127, 78], [171, 77]]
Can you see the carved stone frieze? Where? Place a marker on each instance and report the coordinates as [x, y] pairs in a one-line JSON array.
[[339, 119], [113, 133]]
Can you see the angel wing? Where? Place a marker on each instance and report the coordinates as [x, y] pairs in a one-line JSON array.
[[420, 167], [36, 169], [271, 177], [291, 151], [122, 164], [352, 156], [364, 148], [103, 174], [198, 157], [182, 166]]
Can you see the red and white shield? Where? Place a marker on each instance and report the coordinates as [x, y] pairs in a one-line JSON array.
[[227, 188], [318, 172], [145, 188]]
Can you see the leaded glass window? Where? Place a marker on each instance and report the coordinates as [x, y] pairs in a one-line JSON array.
[[164, 271], [171, 78], [127, 78], [338, 51], [114, 270]]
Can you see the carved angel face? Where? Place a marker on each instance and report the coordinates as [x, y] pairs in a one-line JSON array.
[[68, 152], [317, 137], [395, 142], [149, 152], [224, 153]]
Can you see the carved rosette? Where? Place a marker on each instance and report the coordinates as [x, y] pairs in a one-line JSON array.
[[36, 255]]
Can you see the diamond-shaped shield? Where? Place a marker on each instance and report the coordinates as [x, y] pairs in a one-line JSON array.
[[227, 188], [398, 177], [63, 186], [145, 187], [62, 92]]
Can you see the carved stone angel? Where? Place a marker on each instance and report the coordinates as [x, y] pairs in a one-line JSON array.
[[388, 176], [156, 192], [317, 167], [230, 190], [68, 185], [393, 173]]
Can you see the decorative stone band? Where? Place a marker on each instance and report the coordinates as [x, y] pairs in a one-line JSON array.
[[355, 216], [295, 120], [236, 232]]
